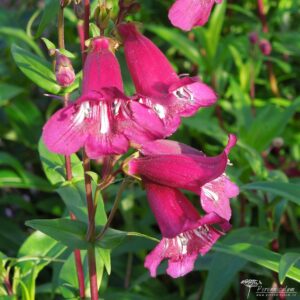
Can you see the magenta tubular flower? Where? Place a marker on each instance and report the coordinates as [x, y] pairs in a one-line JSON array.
[[103, 119], [186, 14], [157, 84], [64, 71], [180, 166], [187, 170], [185, 233]]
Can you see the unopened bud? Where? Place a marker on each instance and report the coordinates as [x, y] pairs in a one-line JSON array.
[[102, 16], [126, 3], [64, 71], [79, 9], [265, 47], [253, 37], [134, 8], [64, 3]]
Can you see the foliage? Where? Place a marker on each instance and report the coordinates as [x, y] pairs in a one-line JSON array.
[[264, 241]]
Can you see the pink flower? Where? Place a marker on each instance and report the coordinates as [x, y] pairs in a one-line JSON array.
[[186, 170], [187, 14], [157, 84], [185, 233], [64, 71], [215, 196], [103, 119], [180, 166]]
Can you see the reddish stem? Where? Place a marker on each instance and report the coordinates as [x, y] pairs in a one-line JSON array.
[[262, 15], [86, 25], [8, 286], [93, 273], [68, 165]]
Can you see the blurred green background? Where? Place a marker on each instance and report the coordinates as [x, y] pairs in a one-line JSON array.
[[258, 101]]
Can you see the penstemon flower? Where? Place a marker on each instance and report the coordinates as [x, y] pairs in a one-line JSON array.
[[179, 166], [185, 233], [186, 14], [103, 119], [157, 84]]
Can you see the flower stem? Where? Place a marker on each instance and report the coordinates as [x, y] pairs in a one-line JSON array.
[[272, 77], [91, 228], [262, 15], [123, 186], [93, 273], [87, 179], [68, 165], [86, 26]]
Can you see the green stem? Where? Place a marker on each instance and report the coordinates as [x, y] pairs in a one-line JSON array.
[[123, 186]]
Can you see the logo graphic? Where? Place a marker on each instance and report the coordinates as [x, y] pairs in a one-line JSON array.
[[273, 291], [250, 283]]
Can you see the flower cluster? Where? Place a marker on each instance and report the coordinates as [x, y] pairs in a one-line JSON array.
[[105, 122]]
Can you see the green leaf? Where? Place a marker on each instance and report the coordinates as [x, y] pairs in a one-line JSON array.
[[54, 165], [36, 69], [179, 41], [9, 178], [73, 233], [8, 91], [8, 160], [289, 191], [277, 119], [21, 35], [49, 44], [66, 53], [224, 267], [111, 239], [258, 255], [34, 255], [26, 119], [286, 262], [213, 33], [74, 196], [68, 232], [49, 15]]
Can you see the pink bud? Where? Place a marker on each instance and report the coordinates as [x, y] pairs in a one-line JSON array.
[[265, 47], [253, 37], [64, 71]]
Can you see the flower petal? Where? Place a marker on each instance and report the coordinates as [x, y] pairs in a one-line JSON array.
[[181, 267], [106, 144], [161, 147], [191, 94], [186, 14], [215, 196], [172, 210], [66, 131], [180, 171], [101, 68], [153, 259], [150, 70]]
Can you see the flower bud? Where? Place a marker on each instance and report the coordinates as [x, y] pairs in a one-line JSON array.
[[253, 37], [64, 3], [265, 47], [64, 71], [79, 9]]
